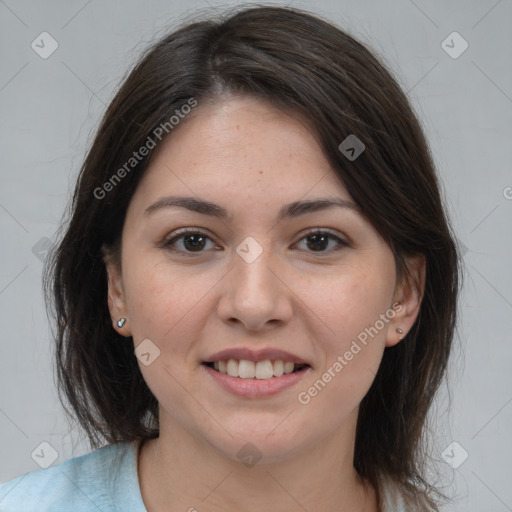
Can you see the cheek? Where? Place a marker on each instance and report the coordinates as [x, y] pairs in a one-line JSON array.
[[355, 310], [350, 301], [169, 307], [163, 299]]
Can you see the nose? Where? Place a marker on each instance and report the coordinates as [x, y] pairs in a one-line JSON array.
[[255, 294]]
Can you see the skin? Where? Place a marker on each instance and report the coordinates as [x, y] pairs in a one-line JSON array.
[[252, 159]]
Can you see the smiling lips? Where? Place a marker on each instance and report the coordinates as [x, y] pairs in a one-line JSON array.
[[246, 363], [246, 369], [254, 374]]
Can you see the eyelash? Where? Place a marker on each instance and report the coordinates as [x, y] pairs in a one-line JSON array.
[[168, 242]]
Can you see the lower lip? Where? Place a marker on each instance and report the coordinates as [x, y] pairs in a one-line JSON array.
[[256, 388]]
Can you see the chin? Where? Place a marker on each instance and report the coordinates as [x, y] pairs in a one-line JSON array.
[[261, 444]]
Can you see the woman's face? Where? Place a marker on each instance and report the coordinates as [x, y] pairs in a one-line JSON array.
[[256, 284]]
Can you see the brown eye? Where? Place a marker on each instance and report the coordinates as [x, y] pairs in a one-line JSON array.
[[194, 242], [188, 242], [318, 241]]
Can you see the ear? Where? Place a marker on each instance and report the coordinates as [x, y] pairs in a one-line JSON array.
[[116, 297], [407, 300]]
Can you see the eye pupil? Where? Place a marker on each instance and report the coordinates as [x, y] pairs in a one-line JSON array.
[[318, 238], [199, 243]]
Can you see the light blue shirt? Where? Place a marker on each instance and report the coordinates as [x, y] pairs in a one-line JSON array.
[[104, 480]]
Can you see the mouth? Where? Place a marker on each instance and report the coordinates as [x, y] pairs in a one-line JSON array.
[[256, 370], [249, 373]]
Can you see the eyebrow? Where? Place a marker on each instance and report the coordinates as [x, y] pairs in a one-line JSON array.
[[291, 210]]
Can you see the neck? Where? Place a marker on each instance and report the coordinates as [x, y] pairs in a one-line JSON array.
[[180, 472]]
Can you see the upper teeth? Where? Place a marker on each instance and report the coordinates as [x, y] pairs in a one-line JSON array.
[[245, 369]]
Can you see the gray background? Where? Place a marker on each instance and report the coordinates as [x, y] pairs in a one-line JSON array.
[[50, 108]]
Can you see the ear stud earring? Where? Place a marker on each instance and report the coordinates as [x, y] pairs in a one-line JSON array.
[[399, 331], [121, 322]]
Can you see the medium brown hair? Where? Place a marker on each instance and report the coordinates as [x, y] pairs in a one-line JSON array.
[[303, 64]]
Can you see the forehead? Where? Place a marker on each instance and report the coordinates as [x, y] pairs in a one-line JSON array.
[[241, 148]]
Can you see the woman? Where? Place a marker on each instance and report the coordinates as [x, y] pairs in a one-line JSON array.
[[256, 292]]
